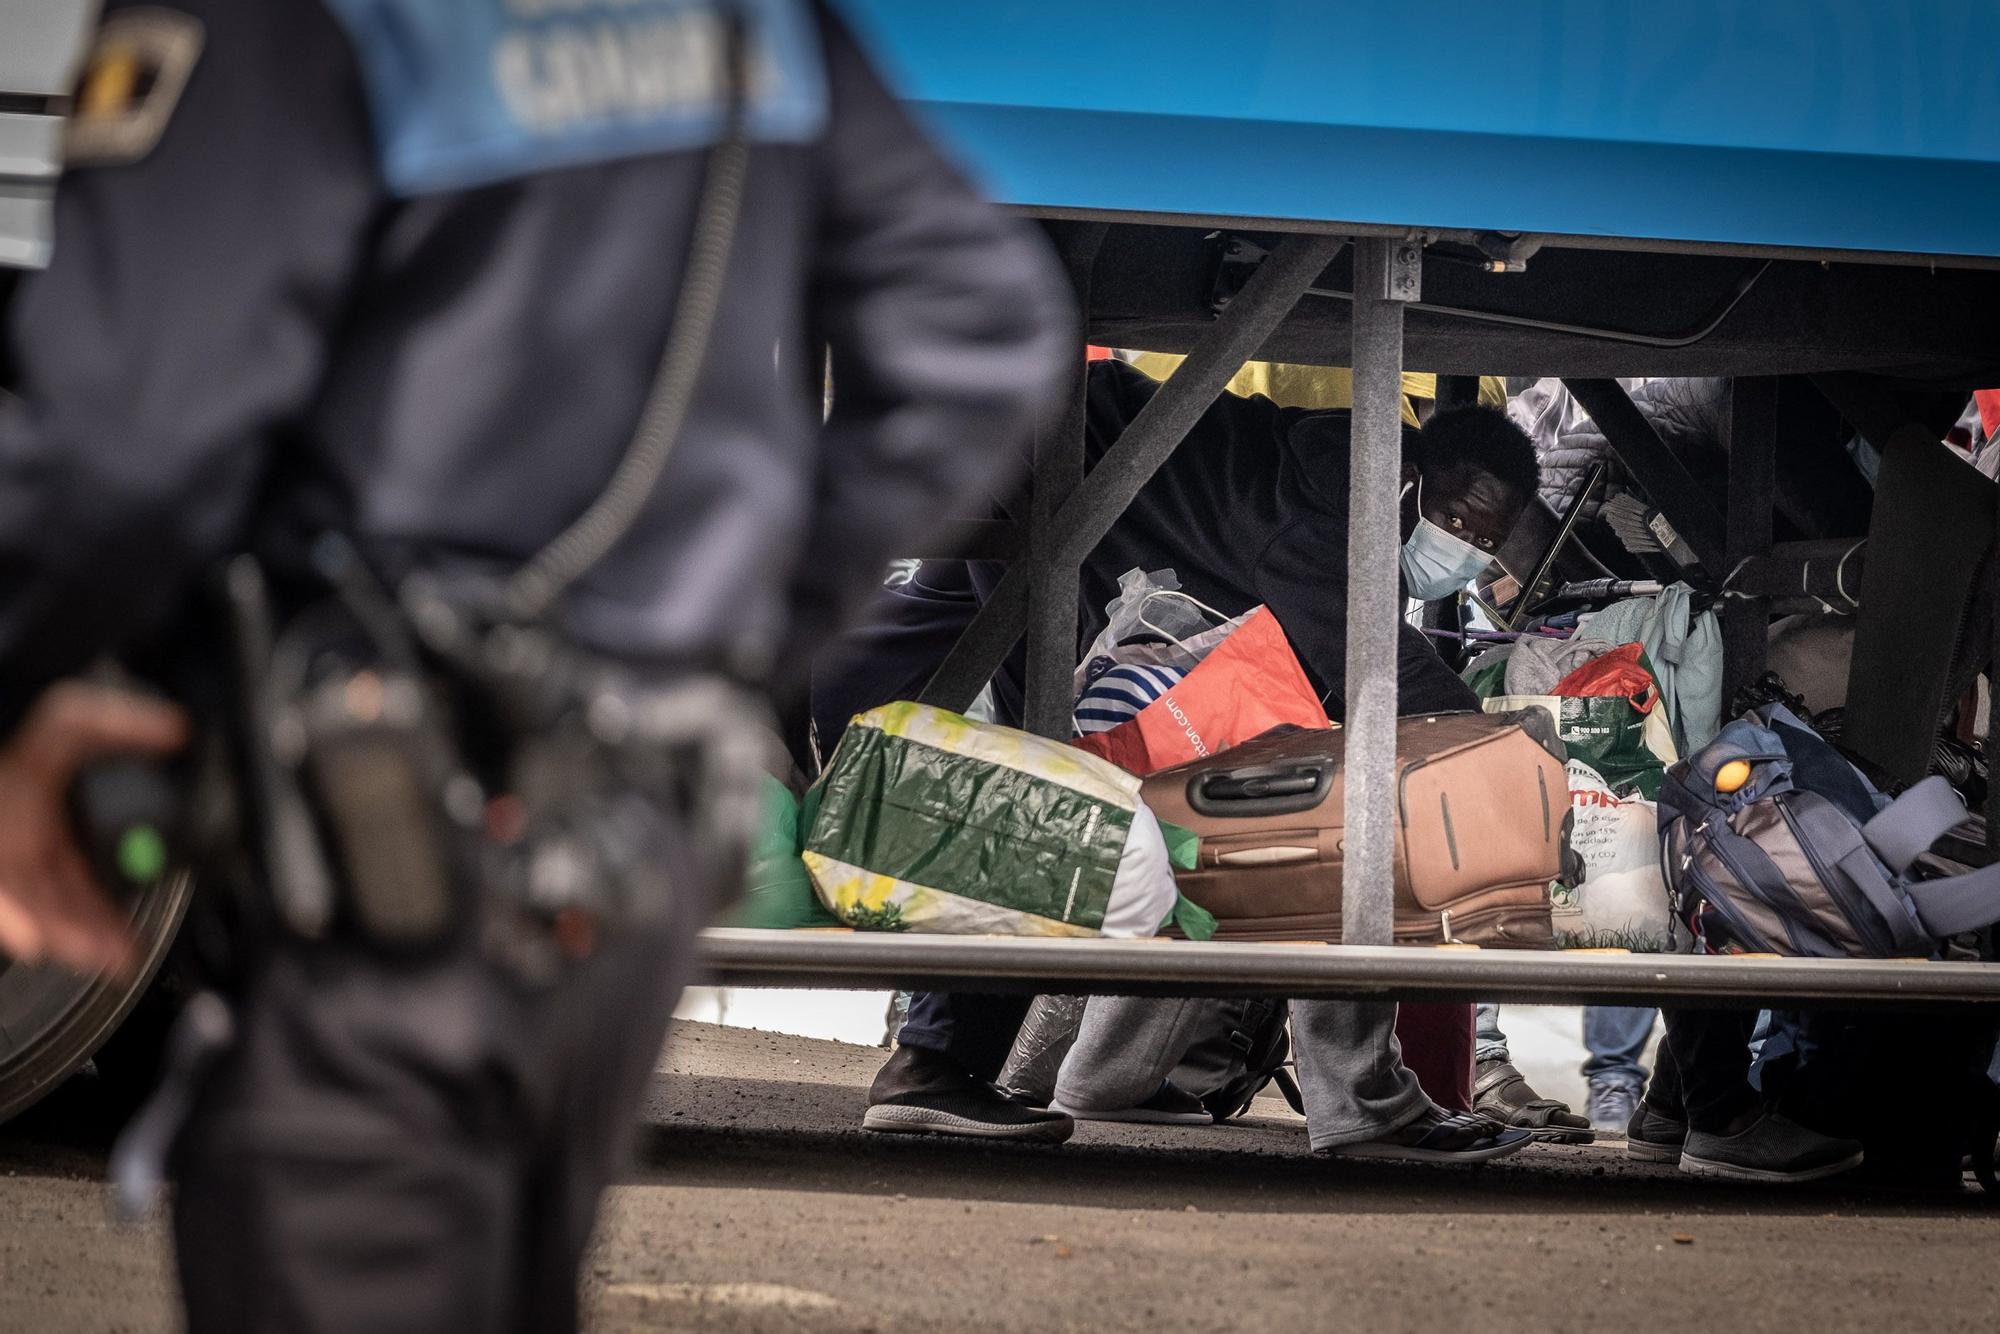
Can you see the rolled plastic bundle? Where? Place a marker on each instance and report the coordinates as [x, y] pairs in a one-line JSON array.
[[1045, 1038]]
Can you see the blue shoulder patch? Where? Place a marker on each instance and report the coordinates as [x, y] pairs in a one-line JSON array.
[[472, 92]]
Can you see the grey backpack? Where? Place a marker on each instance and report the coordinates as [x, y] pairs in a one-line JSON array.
[[1772, 842]]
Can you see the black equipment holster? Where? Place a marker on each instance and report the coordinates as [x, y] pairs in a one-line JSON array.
[[424, 772]]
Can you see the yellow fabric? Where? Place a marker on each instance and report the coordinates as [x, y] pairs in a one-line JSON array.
[[851, 891], [1291, 386], [1007, 748]]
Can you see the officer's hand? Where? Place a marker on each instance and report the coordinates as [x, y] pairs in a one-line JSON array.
[[50, 906]]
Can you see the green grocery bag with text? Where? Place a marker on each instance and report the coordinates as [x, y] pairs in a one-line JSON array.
[[928, 821], [1608, 712]]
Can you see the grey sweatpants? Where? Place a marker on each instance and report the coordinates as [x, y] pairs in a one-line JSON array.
[[1350, 1065]]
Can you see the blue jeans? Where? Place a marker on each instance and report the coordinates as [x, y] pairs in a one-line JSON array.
[[1614, 1034], [1488, 1042]]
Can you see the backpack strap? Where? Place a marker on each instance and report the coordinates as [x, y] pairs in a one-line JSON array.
[[1958, 903], [1905, 831], [1912, 822], [1861, 868]]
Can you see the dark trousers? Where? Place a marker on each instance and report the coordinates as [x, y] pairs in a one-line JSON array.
[[394, 1145], [1703, 1072], [973, 1029]]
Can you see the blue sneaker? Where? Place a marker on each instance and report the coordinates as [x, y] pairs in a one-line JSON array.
[[1611, 1105]]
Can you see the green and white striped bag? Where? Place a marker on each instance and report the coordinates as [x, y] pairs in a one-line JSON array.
[[928, 821]]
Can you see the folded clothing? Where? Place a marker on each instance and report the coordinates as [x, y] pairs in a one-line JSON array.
[[1119, 692]]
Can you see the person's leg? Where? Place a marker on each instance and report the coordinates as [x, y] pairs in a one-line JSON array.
[[1710, 1050], [1489, 1043], [1909, 1087], [1125, 1050], [399, 1143], [354, 1163], [1438, 1043], [599, 1038], [1729, 1132], [1657, 1131], [975, 1030], [1351, 1071], [1362, 1101], [1663, 1091], [1615, 1036], [1503, 1094], [938, 1081]]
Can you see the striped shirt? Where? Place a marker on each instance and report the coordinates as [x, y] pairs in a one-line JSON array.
[[1117, 694]]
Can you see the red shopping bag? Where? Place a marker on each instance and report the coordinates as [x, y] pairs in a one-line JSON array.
[[1248, 684], [1623, 671]]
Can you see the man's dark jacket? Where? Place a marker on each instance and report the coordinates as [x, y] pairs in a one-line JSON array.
[[1250, 509], [245, 328]]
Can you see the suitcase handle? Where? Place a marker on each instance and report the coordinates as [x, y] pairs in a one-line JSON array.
[[1270, 789]]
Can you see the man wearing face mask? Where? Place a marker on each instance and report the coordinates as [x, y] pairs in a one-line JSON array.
[[1250, 509]]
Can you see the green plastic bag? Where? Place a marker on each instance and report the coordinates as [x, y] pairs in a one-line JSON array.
[[777, 890], [1184, 851], [1489, 681], [1628, 747], [928, 821]]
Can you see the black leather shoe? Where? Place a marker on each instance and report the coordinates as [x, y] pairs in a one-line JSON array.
[[1502, 1095], [922, 1092]]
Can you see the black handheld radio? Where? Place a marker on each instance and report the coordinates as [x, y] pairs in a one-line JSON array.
[[128, 817]]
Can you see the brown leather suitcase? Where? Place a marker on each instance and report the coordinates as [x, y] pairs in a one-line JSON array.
[[1479, 833]]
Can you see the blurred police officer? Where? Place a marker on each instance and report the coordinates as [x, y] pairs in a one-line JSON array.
[[404, 269]]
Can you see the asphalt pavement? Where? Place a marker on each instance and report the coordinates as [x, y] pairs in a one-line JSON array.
[[756, 1203]]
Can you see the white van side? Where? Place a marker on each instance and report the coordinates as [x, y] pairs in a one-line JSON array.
[[41, 42]]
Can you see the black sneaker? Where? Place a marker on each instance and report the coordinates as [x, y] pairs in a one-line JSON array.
[[1771, 1148], [922, 1092], [1653, 1136]]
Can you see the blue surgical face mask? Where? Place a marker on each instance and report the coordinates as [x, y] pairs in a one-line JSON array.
[[1435, 563]]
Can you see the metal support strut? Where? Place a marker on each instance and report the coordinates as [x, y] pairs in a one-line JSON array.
[[1087, 514], [1054, 583], [1387, 274], [1753, 453]]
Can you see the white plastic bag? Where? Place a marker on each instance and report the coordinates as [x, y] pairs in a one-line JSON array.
[[1143, 892], [1623, 901], [1175, 630]]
